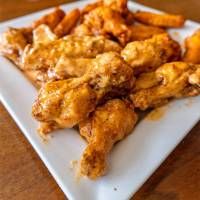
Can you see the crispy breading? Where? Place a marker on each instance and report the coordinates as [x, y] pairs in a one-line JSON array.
[[118, 119], [192, 48], [147, 55], [46, 55], [177, 79], [12, 44], [160, 20], [107, 22], [67, 102]]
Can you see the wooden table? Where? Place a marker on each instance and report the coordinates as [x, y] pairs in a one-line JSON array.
[[23, 175]]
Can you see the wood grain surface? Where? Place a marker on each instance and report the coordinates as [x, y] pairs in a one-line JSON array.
[[23, 175]]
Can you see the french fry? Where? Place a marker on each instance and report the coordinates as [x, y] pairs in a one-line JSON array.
[[52, 19], [192, 46], [160, 20], [143, 32], [67, 23]]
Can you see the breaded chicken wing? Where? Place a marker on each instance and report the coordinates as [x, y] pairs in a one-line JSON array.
[[160, 20], [107, 22], [177, 79], [107, 125], [192, 46], [12, 43], [45, 55], [66, 102], [144, 56]]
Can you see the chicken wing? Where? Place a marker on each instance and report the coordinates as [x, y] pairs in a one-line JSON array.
[[160, 20], [177, 79], [67, 102], [12, 44], [192, 46], [68, 67], [100, 138], [107, 22], [144, 56], [45, 55], [64, 102]]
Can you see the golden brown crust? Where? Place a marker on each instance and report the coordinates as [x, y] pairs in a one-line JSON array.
[[111, 115], [147, 55], [160, 20], [177, 79]]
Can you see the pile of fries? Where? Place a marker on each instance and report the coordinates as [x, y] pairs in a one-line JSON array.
[[98, 67]]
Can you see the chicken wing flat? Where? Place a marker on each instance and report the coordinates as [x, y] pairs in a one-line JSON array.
[[143, 32], [107, 22], [160, 20], [147, 55], [45, 55], [192, 46], [104, 127], [61, 101], [177, 79]]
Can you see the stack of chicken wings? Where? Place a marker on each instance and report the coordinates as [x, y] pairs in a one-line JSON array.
[[96, 67]]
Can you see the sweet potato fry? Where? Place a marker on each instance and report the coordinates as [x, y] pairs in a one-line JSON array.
[[52, 19], [143, 32], [192, 45], [161, 20], [67, 23]]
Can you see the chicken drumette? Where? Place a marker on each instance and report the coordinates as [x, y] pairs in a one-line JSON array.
[[108, 124], [63, 103]]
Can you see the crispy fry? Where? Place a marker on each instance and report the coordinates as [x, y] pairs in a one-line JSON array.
[[161, 20], [143, 32], [67, 23], [192, 45], [52, 19]]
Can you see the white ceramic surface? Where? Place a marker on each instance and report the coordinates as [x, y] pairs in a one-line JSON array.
[[132, 161]]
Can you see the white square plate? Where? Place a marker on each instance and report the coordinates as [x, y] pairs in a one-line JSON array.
[[132, 161]]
